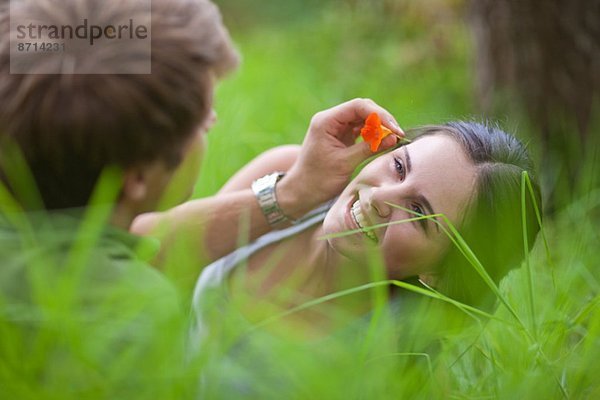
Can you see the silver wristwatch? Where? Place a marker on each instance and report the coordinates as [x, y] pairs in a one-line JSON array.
[[264, 190]]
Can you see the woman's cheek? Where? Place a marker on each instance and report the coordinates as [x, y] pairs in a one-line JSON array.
[[405, 253], [394, 252]]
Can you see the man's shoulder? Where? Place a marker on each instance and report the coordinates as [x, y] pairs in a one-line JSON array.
[[57, 252], [88, 306]]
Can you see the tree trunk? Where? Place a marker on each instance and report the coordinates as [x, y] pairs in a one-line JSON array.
[[545, 55]]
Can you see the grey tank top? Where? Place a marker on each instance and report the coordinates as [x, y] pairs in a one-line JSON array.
[[216, 273]]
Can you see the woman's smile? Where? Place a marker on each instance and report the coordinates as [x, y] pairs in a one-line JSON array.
[[361, 220]]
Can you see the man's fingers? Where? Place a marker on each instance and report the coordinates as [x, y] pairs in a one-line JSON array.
[[359, 152], [357, 111], [387, 142]]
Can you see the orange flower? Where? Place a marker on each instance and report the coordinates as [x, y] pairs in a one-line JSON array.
[[373, 132]]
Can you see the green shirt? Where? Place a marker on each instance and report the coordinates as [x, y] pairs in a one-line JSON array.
[[83, 315]]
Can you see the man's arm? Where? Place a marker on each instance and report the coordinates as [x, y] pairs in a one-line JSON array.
[[325, 164], [224, 220]]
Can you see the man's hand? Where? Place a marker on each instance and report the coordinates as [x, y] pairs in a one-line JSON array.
[[330, 155]]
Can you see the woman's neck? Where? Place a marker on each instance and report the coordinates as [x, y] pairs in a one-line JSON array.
[[310, 269], [330, 271]]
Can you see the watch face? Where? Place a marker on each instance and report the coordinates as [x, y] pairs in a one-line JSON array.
[[264, 190]]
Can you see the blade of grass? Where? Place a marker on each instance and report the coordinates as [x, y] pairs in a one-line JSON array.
[[407, 354], [530, 289], [96, 216], [466, 308], [18, 174]]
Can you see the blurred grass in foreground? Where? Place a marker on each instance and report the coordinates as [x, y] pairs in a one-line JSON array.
[[413, 349]]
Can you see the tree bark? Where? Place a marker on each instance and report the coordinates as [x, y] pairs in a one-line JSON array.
[[545, 56]]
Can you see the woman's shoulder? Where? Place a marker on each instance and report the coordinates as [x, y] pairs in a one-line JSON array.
[[217, 272]]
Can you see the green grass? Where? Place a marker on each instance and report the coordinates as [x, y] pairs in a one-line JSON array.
[[543, 341], [289, 73]]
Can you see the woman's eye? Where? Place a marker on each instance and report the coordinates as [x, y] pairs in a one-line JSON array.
[[399, 167], [417, 209], [419, 212]]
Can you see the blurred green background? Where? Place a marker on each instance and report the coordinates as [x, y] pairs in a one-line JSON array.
[[300, 57]]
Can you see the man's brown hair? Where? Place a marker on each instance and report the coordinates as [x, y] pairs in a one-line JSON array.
[[70, 126]]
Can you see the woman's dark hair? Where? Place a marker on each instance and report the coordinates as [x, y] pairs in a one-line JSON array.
[[493, 227]]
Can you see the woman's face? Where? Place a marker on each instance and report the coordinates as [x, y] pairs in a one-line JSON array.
[[431, 175]]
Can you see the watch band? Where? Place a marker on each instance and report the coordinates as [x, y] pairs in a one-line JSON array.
[[264, 190]]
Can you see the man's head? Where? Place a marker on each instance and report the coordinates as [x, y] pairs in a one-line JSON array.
[[71, 126]]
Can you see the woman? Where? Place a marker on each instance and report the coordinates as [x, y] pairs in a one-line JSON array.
[[469, 172]]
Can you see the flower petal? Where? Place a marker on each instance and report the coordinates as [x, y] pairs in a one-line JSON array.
[[373, 132]]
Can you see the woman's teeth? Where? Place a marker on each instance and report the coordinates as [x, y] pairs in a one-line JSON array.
[[361, 220]]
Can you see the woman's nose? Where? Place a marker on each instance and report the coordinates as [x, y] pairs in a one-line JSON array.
[[377, 199]]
